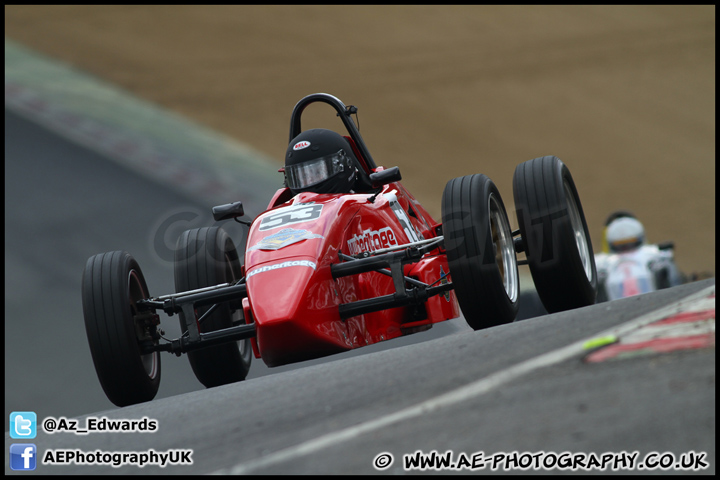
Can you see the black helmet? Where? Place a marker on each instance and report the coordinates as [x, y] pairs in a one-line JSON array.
[[320, 161]]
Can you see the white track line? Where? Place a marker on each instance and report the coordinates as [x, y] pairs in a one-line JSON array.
[[471, 390]]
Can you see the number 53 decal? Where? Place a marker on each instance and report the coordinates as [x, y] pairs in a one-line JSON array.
[[289, 215]]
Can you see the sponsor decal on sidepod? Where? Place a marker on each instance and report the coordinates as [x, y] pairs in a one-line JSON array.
[[371, 240]]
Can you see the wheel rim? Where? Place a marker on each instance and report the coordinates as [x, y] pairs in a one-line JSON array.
[[504, 249], [578, 231], [150, 361]]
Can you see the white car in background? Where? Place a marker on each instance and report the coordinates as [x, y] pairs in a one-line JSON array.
[[628, 265]]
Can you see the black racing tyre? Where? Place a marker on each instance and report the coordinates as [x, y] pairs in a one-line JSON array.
[[205, 257], [112, 283], [555, 234], [480, 251]]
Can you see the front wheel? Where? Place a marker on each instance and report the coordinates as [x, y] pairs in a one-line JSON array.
[[480, 251], [555, 234], [112, 284], [205, 257]]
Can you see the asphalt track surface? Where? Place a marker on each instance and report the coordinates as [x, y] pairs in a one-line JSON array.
[[64, 204]]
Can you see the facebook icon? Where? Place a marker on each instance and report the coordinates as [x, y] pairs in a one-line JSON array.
[[23, 456]]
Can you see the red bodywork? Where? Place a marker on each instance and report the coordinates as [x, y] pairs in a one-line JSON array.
[[293, 298]]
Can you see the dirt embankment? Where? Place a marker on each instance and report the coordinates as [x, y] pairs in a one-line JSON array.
[[625, 95]]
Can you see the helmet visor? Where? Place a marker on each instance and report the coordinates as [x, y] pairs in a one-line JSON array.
[[625, 245], [315, 171]]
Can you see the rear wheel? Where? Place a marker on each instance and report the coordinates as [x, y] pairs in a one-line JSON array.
[[205, 257], [480, 251], [555, 234], [112, 283]]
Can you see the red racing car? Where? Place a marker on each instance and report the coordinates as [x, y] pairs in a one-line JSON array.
[[343, 257]]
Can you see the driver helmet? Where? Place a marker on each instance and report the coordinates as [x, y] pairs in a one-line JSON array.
[[611, 218], [625, 234], [320, 161]]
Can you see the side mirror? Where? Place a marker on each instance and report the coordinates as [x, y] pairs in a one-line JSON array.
[[383, 177], [669, 245], [230, 210]]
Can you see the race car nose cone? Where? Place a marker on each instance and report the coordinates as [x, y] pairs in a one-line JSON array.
[[295, 310]]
